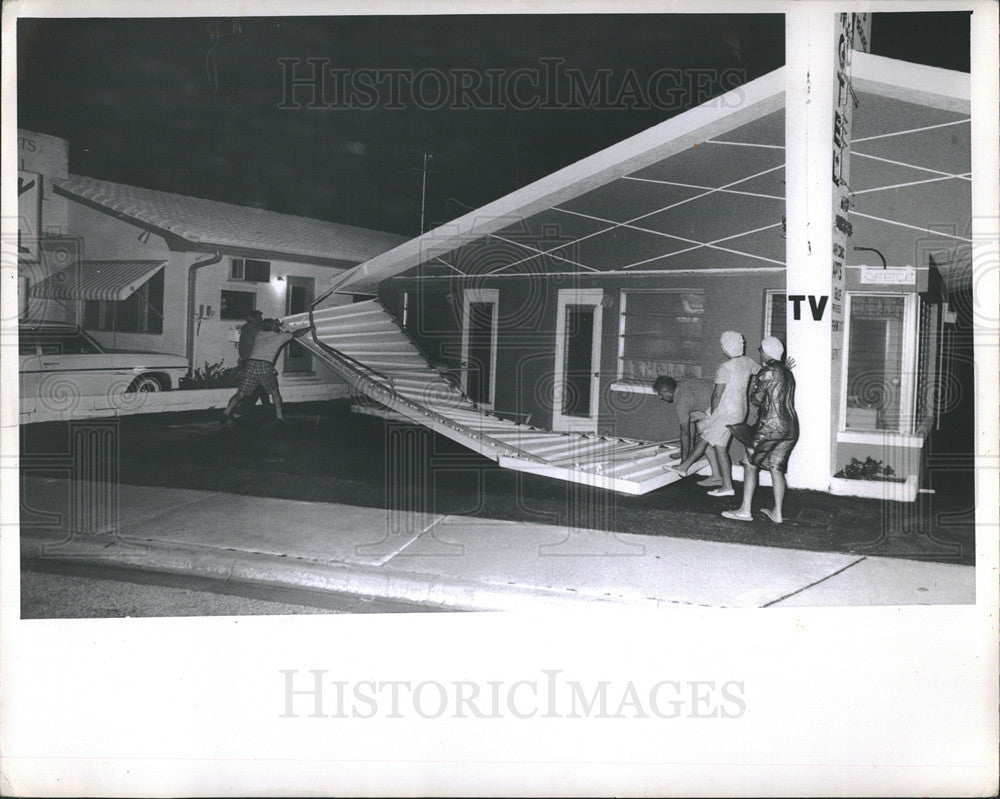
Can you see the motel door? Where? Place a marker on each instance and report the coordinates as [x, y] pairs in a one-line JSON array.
[[577, 383], [300, 291], [479, 345]]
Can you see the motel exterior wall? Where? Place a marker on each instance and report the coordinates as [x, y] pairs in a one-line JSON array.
[[527, 338], [213, 343], [98, 236], [526, 350]]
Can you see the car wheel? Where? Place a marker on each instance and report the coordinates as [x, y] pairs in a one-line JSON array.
[[145, 383]]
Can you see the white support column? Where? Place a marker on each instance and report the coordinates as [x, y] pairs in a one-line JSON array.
[[810, 53]]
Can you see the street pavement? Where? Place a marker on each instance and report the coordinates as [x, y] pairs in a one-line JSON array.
[[454, 561], [66, 590]]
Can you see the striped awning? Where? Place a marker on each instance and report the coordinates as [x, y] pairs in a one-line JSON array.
[[97, 280]]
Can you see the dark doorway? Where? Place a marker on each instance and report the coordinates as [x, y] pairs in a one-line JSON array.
[[578, 358], [480, 351]]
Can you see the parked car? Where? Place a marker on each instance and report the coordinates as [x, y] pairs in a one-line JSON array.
[[60, 360]]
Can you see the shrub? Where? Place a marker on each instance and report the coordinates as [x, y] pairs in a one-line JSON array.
[[211, 375], [868, 469]]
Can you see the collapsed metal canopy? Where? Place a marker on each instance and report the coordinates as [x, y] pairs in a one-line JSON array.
[[365, 345]]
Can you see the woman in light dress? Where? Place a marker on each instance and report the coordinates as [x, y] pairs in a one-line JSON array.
[[729, 406]]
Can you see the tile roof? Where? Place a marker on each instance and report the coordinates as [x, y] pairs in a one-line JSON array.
[[209, 223]]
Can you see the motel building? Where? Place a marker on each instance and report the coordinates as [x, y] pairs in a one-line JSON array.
[[144, 270], [827, 203]]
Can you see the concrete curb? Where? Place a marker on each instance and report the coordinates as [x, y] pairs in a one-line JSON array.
[[362, 580]]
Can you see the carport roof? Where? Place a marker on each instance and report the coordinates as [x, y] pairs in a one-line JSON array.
[[704, 190]]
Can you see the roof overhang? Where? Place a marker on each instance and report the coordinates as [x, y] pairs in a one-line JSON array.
[[932, 87], [181, 245], [944, 91], [714, 118]]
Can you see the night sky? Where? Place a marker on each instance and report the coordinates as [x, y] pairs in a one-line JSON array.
[[194, 106]]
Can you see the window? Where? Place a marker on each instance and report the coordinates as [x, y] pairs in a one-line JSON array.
[[660, 333], [140, 313], [775, 320], [250, 270], [237, 304], [878, 391]]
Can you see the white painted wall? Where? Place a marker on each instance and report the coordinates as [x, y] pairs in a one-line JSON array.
[[103, 237], [212, 340]]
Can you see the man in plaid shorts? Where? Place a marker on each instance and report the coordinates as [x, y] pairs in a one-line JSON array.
[[259, 369], [248, 334]]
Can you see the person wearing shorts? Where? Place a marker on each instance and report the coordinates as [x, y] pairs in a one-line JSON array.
[[259, 372], [244, 346], [774, 435], [691, 396]]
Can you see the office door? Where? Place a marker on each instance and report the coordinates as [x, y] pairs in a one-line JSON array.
[[577, 373], [479, 345]]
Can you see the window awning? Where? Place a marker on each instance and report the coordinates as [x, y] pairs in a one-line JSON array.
[[97, 280]]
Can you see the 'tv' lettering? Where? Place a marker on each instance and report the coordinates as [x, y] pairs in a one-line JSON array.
[[817, 305]]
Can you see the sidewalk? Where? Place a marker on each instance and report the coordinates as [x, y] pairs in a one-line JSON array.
[[462, 562]]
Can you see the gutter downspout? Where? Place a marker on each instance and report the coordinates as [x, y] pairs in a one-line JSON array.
[[192, 283]]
